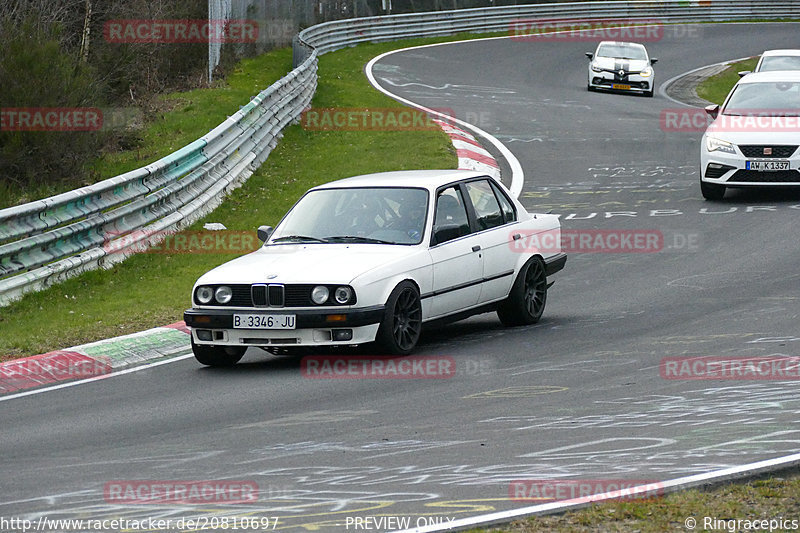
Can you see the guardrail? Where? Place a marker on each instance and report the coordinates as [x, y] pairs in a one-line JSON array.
[[333, 35], [46, 241], [49, 240]]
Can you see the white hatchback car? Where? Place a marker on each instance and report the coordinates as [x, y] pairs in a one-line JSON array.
[[755, 135], [621, 66], [373, 258]]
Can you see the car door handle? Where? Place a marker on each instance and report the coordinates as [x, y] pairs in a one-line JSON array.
[[476, 248], [516, 236]]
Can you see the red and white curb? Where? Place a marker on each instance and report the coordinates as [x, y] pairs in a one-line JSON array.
[[471, 155], [94, 359]]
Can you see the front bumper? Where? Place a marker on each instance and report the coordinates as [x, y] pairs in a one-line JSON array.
[[312, 327], [731, 170], [629, 83]]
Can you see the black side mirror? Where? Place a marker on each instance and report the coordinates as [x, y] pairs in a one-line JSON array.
[[712, 110], [653, 60], [590, 55], [743, 73], [264, 233]]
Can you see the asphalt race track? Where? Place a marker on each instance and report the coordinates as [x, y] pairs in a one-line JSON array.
[[578, 396]]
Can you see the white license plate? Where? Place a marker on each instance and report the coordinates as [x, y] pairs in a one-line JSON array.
[[767, 166], [264, 321]]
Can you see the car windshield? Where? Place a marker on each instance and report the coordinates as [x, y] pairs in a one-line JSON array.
[[621, 51], [779, 63], [373, 215], [772, 98]]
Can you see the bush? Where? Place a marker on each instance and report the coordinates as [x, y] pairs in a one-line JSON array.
[[36, 73]]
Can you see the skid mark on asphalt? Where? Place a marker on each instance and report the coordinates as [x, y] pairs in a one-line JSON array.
[[367, 451], [597, 447], [522, 391], [311, 417]]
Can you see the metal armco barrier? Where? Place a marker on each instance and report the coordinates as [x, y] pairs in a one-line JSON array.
[[46, 241]]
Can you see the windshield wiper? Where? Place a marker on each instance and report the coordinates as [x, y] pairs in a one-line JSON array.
[[355, 238], [299, 238]]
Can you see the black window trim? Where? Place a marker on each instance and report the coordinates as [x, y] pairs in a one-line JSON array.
[[467, 205], [474, 229], [499, 192]]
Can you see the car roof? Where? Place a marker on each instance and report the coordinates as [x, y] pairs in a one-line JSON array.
[[783, 52], [771, 76], [427, 179], [623, 43]]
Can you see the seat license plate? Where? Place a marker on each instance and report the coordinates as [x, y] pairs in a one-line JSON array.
[[767, 166]]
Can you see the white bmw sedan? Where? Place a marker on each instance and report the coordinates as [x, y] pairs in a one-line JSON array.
[[755, 135], [374, 258], [621, 66]]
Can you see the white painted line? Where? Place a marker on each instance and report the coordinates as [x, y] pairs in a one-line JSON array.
[[517, 174], [96, 378], [672, 485]]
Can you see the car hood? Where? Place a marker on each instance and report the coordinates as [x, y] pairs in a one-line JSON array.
[[306, 263], [755, 130], [612, 63]]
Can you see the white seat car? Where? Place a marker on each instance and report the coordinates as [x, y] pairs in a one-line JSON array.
[[621, 66], [787, 59], [373, 258], [755, 135]]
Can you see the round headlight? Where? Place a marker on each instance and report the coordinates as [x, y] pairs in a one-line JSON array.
[[342, 295], [223, 294], [319, 295], [204, 294]]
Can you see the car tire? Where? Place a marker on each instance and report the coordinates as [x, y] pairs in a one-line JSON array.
[[217, 355], [712, 191], [402, 321], [528, 296]]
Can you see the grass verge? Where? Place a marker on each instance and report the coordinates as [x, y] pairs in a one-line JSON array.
[[767, 499], [716, 88]]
